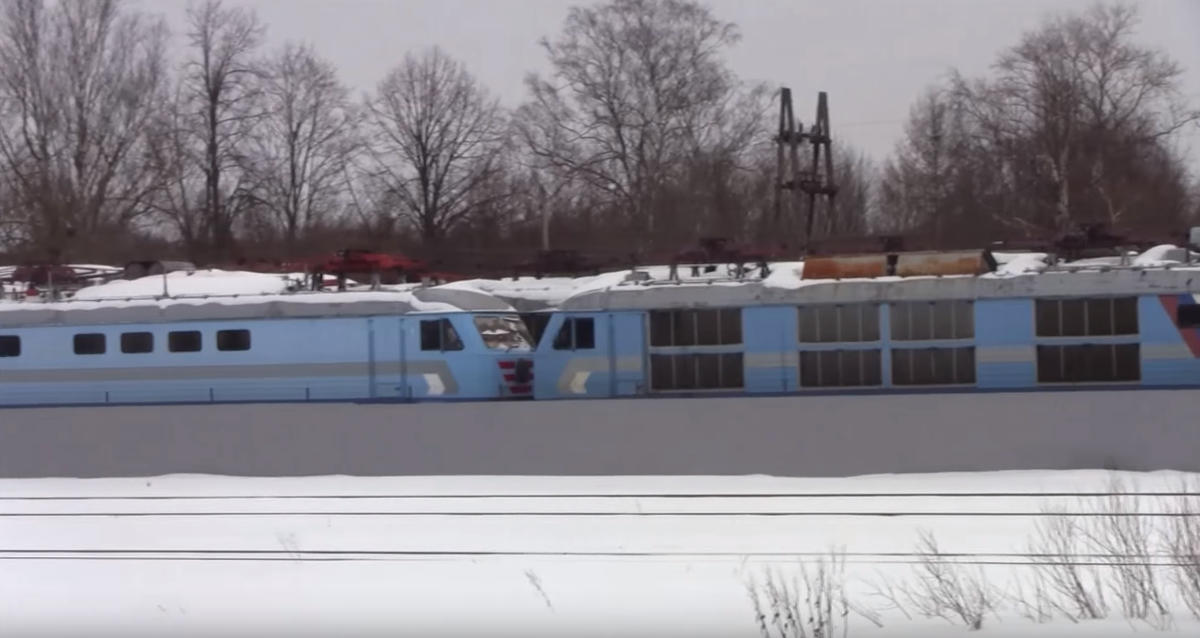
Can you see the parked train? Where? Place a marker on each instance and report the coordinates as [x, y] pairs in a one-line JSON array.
[[886, 323]]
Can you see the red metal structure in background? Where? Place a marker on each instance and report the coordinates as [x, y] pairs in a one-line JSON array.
[[713, 252], [336, 269], [58, 275], [378, 267], [56, 279]]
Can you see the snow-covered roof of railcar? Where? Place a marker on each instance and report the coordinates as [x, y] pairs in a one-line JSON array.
[[246, 296], [1020, 275], [203, 295]]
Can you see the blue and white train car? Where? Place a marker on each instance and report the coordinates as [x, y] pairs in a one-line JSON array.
[[824, 376], [1098, 325], [425, 345]]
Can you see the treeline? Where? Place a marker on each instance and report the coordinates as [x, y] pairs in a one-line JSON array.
[[639, 138]]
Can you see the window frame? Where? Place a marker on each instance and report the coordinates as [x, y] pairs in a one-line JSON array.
[[512, 323], [955, 308], [1192, 313], [911, 380], [11, 352], [818, 356], [1043, 351], [729, 327], [729, 365], [568, 336], [819, 313], [78, 338], [223, 346], [171, 336], [1066, 324], [131, 338], [444, 328]]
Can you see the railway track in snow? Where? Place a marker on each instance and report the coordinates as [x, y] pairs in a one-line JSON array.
[[576, 495], [1012, 559], [933, 504], [446, 527]]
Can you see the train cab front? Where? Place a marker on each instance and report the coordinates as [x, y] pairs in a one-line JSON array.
[[509, 339]]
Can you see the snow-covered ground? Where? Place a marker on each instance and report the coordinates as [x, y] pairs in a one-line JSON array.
[[505, 556]]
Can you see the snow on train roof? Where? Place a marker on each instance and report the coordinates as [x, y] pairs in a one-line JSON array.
[[1159, 269], [215, 294]]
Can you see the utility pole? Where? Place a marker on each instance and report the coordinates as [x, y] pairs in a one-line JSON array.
[[804, 183]]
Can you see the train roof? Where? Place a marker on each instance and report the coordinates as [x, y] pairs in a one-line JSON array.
[[1160, 269], [1024, 277], [222, 295]]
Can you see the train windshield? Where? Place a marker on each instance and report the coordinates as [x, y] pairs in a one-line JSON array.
[[503, 332]]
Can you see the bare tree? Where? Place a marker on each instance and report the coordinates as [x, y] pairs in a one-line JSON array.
[[79, 81], [304, 140], [220, 96], [638, 86], [1079, 98], [857, 182], [174, 151], [919, 179], [438, 134]]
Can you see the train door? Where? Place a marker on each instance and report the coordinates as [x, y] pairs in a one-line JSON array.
[[387, 358], [439, 362]]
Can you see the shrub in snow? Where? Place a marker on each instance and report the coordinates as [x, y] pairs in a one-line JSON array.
[[948, 590], [1063, 583], [1125, 539], [1183, 545], [814, 605]]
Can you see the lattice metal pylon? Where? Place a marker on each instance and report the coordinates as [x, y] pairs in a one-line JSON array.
[[804, 183]]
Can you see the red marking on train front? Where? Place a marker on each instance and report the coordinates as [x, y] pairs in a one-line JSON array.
[[518, 375]]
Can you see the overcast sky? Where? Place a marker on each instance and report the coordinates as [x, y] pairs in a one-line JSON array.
[[873, 57]]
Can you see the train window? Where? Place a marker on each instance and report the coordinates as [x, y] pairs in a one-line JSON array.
[[933, 320], [933, 366], [682, 372], [185, 341], [10, 346], [1099, 317], [233, 340], [1186, 316], [841, 368], [137, 342], [576, 333], [708, 327], [439, 335], [505, 331], [827, 323], [90, 343], [1089, 363]]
